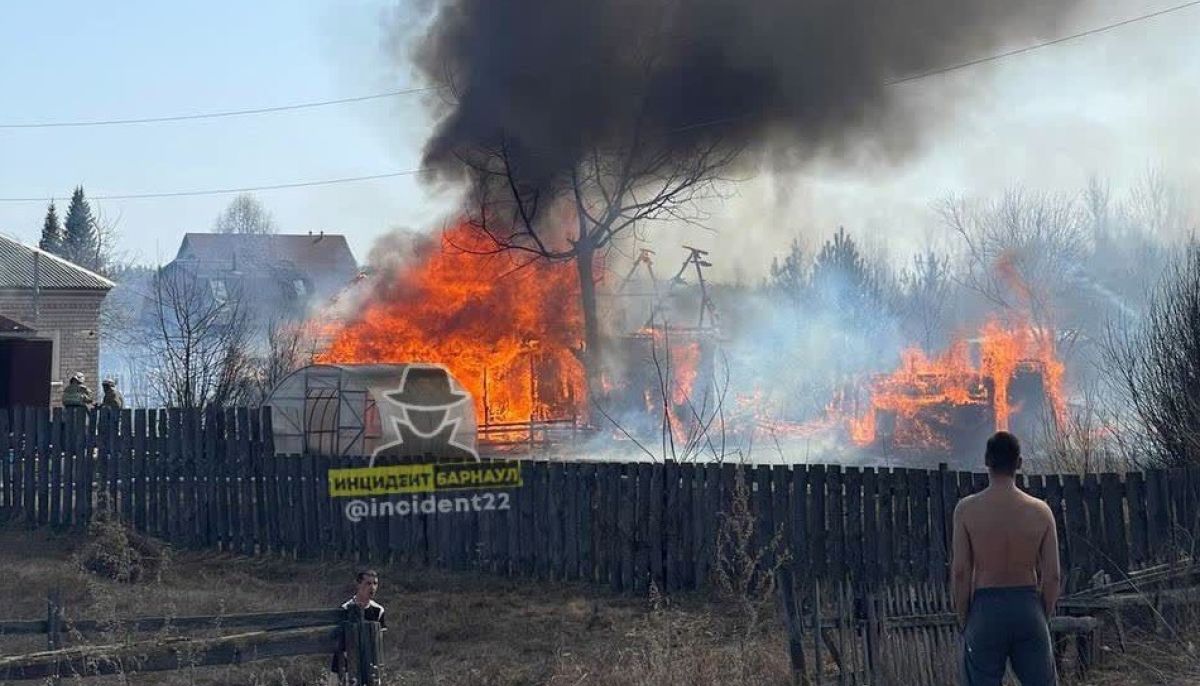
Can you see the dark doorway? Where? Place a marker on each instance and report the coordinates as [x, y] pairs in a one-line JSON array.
[[25, 372]]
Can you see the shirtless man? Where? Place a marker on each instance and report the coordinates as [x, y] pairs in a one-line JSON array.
[[1005, 575]]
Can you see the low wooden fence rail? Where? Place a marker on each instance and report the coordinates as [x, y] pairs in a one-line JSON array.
[[212, 480], [276, 634]]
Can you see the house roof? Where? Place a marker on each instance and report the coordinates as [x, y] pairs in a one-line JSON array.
[[311, 253], [17, 262]]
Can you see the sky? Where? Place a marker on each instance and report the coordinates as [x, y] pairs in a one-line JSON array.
[[1111, 105]]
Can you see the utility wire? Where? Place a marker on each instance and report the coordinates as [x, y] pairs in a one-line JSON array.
[[245, 189], [426, 89], [410, 172], [1039, 46], [215, 115]]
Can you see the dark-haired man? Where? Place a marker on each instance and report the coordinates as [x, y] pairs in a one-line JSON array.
[[1005, 575], [366, 585]]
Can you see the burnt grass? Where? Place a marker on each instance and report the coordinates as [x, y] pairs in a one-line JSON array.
[[446, 628]]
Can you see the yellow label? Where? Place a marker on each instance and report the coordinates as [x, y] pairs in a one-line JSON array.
[[422, 478]]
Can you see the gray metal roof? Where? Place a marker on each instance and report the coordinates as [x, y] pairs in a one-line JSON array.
[[17, 269]]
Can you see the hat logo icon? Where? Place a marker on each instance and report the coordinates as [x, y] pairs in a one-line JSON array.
[[428, 412]]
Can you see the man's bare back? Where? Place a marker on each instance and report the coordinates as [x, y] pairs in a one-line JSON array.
[[1009, 533]]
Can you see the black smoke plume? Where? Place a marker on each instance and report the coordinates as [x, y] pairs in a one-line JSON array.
[[556, 79]]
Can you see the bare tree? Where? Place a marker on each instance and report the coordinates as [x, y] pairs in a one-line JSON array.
[[1021, 251], [925, 289], [574, 206], [1156, 365], [245, 215], [198, 341], [289, 346]]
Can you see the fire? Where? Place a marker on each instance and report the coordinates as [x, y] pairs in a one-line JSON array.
[[504, 326], [926, 399]]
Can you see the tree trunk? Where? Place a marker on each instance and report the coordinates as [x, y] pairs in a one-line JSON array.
[[591, 356]]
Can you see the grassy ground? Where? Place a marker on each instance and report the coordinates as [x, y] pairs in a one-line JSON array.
[[457, 628]]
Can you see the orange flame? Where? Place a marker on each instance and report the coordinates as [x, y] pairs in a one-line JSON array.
[[922, 391], [505, 327]]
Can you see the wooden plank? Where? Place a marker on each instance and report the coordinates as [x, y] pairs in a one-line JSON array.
[[1157, 521], [137, 470], [555, 504], [585, 489], [42, 438], [691, 491], [938, 548], [760, 508], [854, 524], [8, 484], [1176, 498], [627, 529], [639, 527], [798, 512], [870, 527], [1095, 528], [918, 498], [781, 483], [572, 505], [55, 455], [1077, 532], [817, 531], [666, 537], [903, 549], [29, 455], [1135, 486], [1112, 494], [246, 528], [704, 509], [1054, 499]]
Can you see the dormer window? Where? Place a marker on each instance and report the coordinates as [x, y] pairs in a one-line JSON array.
[[219, 293]]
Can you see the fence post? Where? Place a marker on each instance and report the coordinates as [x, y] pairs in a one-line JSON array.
[[54, 618], [363, 646], [794, 624]]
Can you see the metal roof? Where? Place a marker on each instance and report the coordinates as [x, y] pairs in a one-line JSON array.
[[17, 269]]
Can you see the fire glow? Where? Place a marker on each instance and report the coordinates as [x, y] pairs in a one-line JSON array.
[[927, 396], [504, 326]]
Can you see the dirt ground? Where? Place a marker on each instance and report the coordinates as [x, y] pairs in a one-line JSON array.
[[447, 628]]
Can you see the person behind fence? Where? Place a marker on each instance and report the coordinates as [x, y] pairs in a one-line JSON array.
[[112, 397], [76, 394], [1005, 575], [366, 586]]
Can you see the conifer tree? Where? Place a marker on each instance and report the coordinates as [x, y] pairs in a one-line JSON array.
[[52, 232], [81, 244]]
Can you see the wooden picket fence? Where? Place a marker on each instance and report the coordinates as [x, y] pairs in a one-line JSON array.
[[212, 480]]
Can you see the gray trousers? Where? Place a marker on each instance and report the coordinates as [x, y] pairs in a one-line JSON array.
[[1007, 624]]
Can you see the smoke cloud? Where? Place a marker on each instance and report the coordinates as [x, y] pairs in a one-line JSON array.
[[790, 78]]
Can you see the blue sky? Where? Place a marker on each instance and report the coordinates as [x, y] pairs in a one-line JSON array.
[[87, 60], [1110, 105]]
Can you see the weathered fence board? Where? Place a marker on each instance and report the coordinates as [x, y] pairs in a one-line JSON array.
[[209, 479]]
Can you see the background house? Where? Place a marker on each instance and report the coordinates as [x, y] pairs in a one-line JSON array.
[[49, 324], [279, 276]]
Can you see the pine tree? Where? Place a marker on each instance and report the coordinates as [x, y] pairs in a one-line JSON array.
[[80, 242], [52, 232]]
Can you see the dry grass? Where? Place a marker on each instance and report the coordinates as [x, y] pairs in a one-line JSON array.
[[461, 628]]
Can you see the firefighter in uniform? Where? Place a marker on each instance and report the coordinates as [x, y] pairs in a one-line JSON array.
[[112, 397], [76, 394]]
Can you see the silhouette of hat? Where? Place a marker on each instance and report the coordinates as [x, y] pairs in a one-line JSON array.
[[426, 387]]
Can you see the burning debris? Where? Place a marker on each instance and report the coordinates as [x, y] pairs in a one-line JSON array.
[[505, 326], [1003, 380]]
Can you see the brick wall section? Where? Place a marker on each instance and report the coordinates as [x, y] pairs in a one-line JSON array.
[[72, 316]]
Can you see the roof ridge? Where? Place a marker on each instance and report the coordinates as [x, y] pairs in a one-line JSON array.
[[65, 263]]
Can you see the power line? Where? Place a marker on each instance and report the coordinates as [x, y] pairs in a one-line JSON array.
[[216, 115], [410, 172], [1039, 46], [426, 89], [243, 189]]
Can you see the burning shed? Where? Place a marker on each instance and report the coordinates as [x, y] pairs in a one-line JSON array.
[[338, 410]]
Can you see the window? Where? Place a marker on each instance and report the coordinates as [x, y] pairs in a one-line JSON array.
[[218, 291]]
